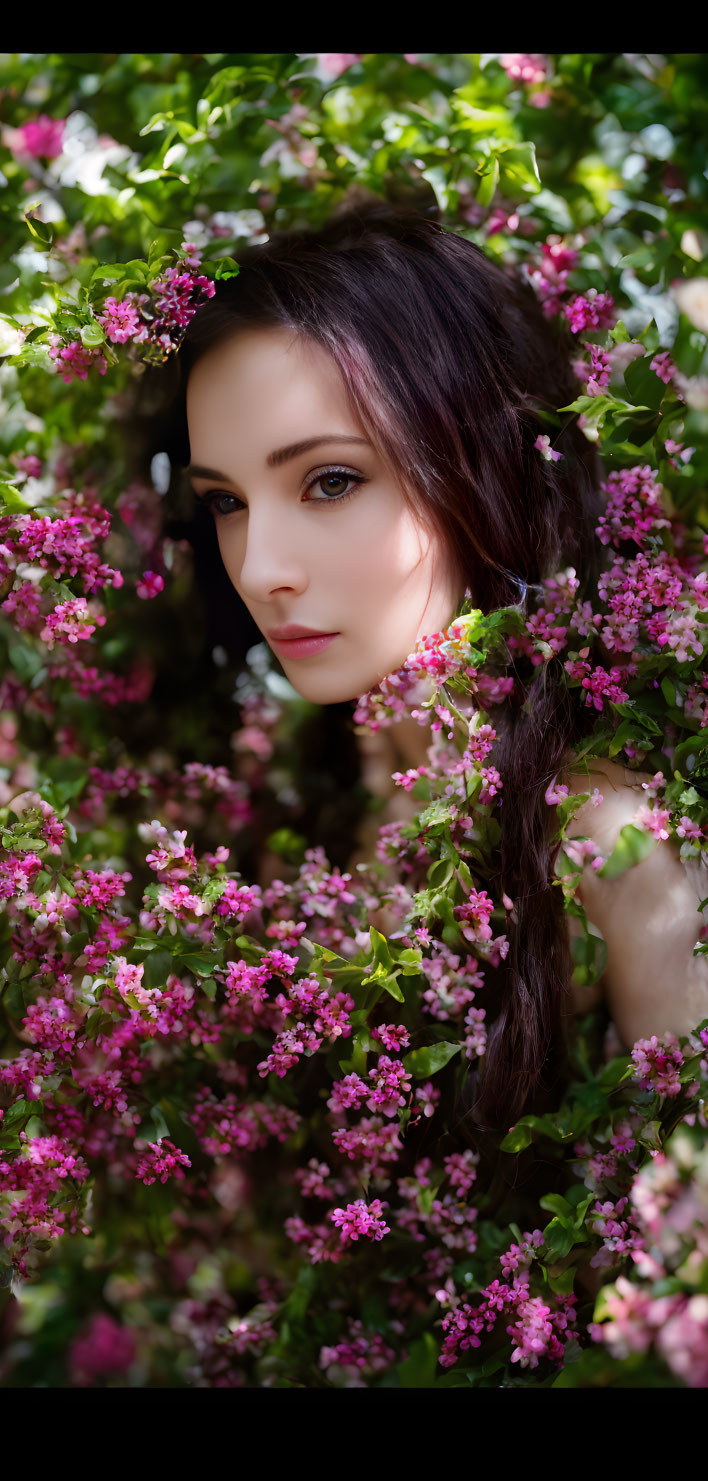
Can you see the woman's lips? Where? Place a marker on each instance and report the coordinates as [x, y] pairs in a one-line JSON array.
[[303, 647]]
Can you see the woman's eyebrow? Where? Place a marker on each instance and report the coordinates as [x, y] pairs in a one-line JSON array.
[[281, 454]]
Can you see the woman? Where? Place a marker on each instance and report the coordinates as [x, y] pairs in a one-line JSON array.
[[358, 409]]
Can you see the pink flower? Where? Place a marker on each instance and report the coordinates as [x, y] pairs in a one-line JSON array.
[[524, 66], [33, 468], [161, 1160], [70, 621], [654, 819], [556, 257], [688, 829], [663, 366], [555, 793], [149, 585], [120, 319], [359, 1219], [543, 445], [594, 311], [657, 1064], [333, 63], [103, 1348], [74, 361], [599, 372], [40, 137]]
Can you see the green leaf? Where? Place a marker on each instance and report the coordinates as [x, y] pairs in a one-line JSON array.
[[440, 873], [632, 845], [515, 1140], [40, 230], [419, 1369], [92, 335], [202, 966], [12, 500], [688, 753], [559, 1238], [438, 812], [589, 953], [602, 1308], [17, 1114], [556, 1204], [427, 1061], [649, 1136], [226, 268], [643, 384], [619, 335], [669, 691], [379, 947], [562, 1284], [616, 1071], [391, 986], [518, 164], [488, 183], [157, 967]]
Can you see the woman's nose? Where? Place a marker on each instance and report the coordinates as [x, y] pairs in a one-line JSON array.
[[273, 557]]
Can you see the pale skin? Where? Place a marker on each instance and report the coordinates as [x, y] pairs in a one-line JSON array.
[[304, 541]]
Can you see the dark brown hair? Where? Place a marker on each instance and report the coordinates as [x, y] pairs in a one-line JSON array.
[[454, 371]]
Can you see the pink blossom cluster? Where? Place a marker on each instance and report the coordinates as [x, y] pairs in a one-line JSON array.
[[161, 1160], [668, 1201], [598, 374], [230, 1125], [120, 320], [74, 360], [475, 912], [677, 1325], [549, 279], [539, 1329], [103, 1348], [592, 310], [360, 1220], [618, 1240], [360, 1355], [70, 621], [334, 63], [633, 508], [64, 545], [525, 66], [435, 658], [40, 138], [599, 683], [658, 1064], [389, 1083], [156, 318], [372, 1143], [39, 1194]]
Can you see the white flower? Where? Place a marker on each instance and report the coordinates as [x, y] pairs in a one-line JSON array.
[[11, 340], [239, 223], [692, 299]]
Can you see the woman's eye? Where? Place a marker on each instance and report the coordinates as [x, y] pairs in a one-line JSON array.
[[328, 481], [212, 502]]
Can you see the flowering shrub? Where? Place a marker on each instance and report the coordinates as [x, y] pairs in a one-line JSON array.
[[227, 1155]]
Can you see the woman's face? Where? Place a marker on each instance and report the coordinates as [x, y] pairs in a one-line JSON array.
[[319, 537]]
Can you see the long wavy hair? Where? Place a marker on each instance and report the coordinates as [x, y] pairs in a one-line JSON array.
[[454, 371]]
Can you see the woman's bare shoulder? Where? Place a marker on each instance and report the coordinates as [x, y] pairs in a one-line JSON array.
[[648, 915], [615, 795]]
